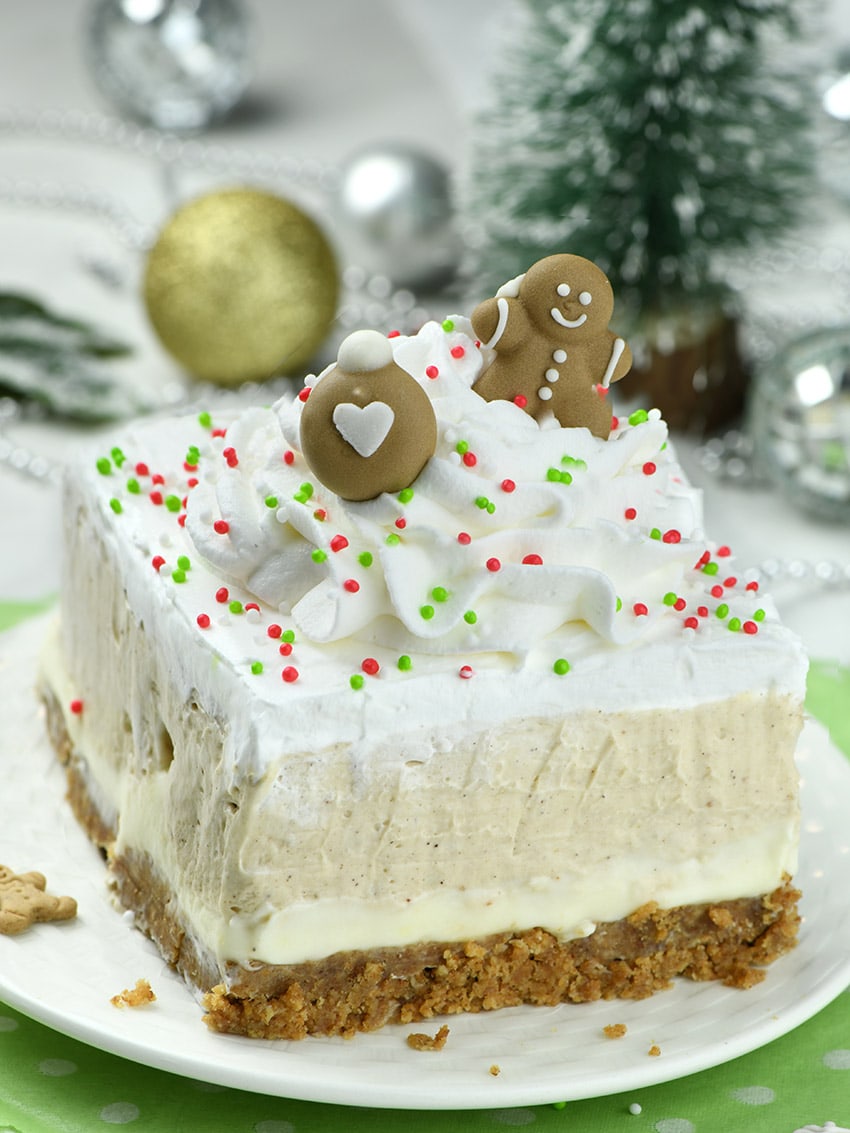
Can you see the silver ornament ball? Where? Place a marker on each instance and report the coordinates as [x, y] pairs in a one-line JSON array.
[[395, 217], [800, 422], [173, 64]]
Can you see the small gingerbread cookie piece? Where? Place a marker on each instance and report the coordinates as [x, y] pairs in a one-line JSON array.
[[139, 996], [553, 350], [23, 901], [368, 426]]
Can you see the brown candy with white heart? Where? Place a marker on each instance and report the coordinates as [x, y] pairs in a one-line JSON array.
[[368, 426]]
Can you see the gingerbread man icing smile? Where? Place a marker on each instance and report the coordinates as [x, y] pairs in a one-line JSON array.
[[554, 351]]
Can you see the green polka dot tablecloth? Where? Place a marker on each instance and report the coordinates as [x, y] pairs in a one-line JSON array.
[[800, 1082]]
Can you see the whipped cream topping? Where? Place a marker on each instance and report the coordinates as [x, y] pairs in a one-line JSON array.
[[512, 531]]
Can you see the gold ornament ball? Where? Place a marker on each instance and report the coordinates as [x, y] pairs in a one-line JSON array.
[[241, 285]]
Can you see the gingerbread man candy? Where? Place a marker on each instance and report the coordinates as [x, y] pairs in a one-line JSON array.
[[554, 351], [23, 901], [368, 426]]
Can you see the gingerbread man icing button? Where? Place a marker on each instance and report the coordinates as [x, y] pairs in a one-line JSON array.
[[368, 426], [554, 352]]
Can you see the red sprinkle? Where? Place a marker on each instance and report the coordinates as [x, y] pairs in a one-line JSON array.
[[521, 400], [393, 333], [649, 468], [630, 513], [401, 523], [691, 623], [533, 560], [465, 672], [156, 498], [221, 527], [432, 372], [464, 538], [290, 674], [679, 604], [187, 467], [730, 582], [716, 591], [203, 621], [457, 352], [493, 565], [222, 594], [702, 611], [304, 393], [252, 606], [192, 482], [320, 514], [351, 585], [704, 558], [752, 586], [274, 630], [157, 561], [339, 543], [724, 552], [370, 665], [615, 423], [219, 432], [76, 707], [157, 478], [142, 469], [470, 459], [181, 519], [750, 627], [289, 457], [640, 609], [285, 649], [508, 485], [230, 456], [671, 536]]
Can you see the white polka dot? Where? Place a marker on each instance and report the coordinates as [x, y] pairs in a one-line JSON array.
[[835, 1059], [753, 1095], [544, 394], [674, 1125], [274, 1127], [57, 1067], [514, 1116], [119, 1113], [559, 356], [7, 1024]]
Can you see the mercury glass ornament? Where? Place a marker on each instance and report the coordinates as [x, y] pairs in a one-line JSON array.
[[395, 215], [174, 64], [800, 421]]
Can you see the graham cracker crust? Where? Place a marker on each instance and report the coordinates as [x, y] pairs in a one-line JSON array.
[[356, 991]]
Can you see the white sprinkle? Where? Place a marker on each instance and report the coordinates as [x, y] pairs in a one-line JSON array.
[[635, 1108]]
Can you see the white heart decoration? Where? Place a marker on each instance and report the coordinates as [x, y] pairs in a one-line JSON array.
[[364, 428]]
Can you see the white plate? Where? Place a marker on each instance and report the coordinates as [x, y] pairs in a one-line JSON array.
[[65, 974]]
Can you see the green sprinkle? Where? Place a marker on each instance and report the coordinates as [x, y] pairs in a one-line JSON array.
[[711, 568], [670, 598], [204, 419], [235, 607], [655, 533], [491, 507], [638, 417], [116, 505], [619, 603], [133, 486], [319, 556], [178, 576], [559, 1105], [470, 617], [561, 666], [288, 636], [271, 501], [184, 562], [173, 503], [759, 616], [440, 594], [365, 559], [392, 540], [553, 474], [118, 456], [722, 610], [304, 493], [404, 663], [405, 495], [104, 465], [356, 680], [447, 325], [426, 612], [573, 462], [462, 447], [734, 624], [256, 667], [481, 502]]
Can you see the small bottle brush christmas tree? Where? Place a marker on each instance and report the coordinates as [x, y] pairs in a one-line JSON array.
[[648, 136]]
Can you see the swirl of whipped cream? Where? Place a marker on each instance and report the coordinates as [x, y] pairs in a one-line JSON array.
[[513, 529]]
